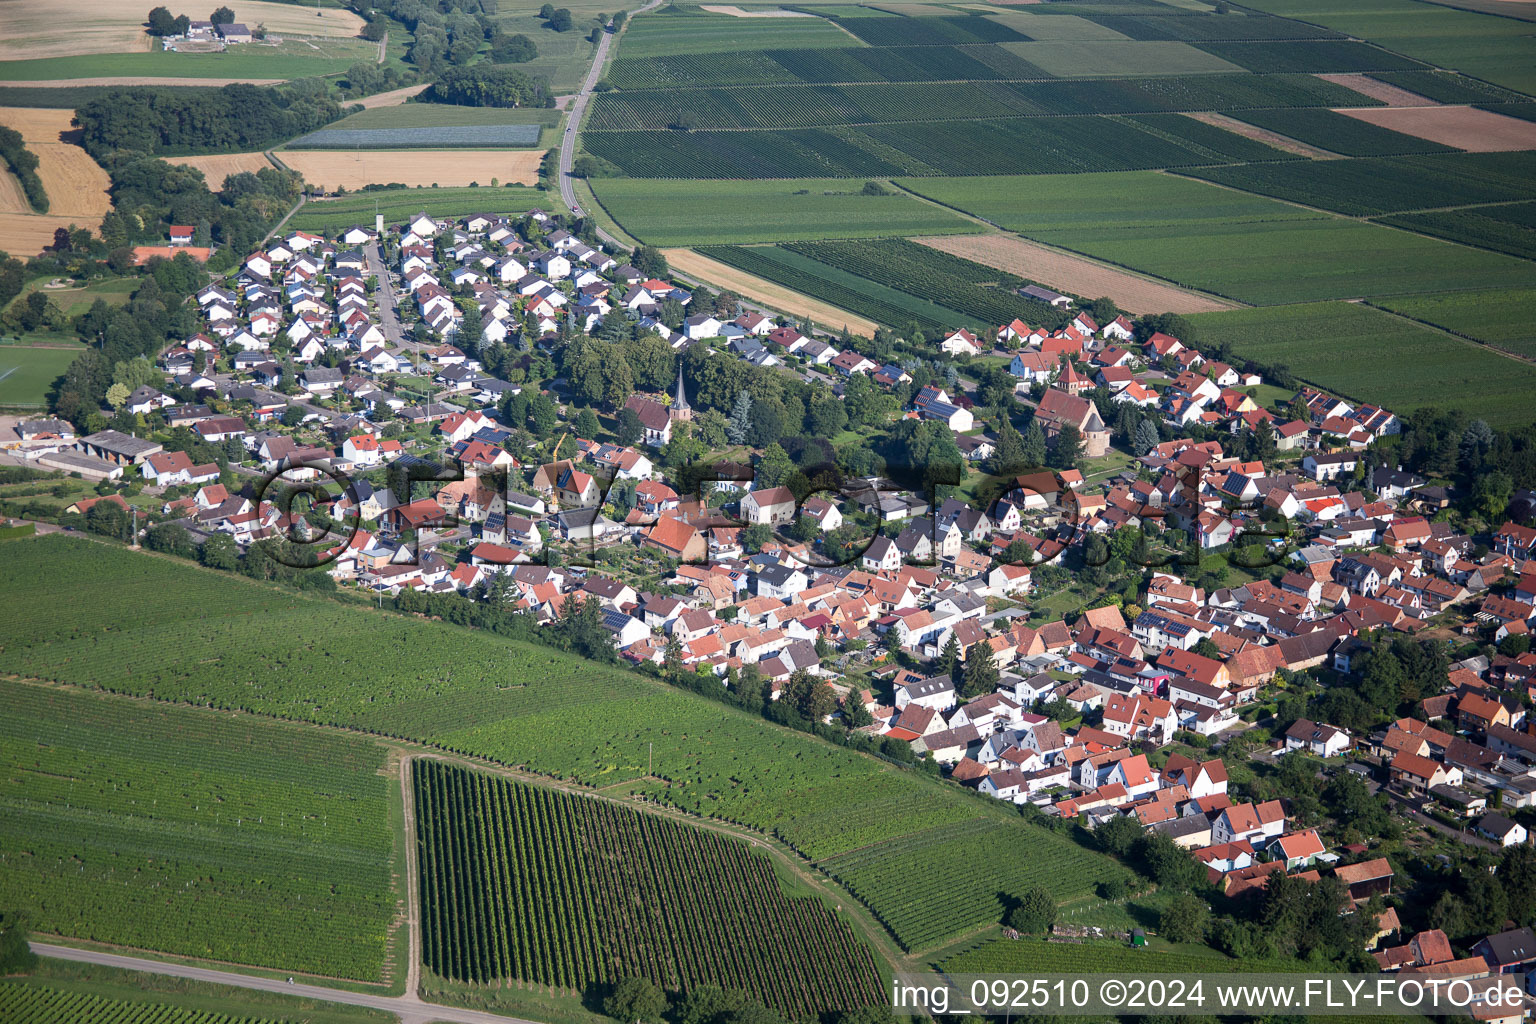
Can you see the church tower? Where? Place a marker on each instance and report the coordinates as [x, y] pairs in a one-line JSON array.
[[680, 409]]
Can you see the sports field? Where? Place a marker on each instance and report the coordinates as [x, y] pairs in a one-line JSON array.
[[675, 213], [26, 373], [1371, 356]]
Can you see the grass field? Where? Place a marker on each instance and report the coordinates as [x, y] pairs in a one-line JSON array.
[[195, 833], [398, 204], [1135, 200], [1498, 318], [1298, 261], [27, 373], [676, 213], [33, 28], [76, 300], [251, 61], [1371, 356], [665, 32], [274, 652]]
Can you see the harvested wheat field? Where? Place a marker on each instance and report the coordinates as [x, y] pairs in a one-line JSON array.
[[353, 169], [218, 166], [394, 97], [712, 272], [76, 184], [1133, 293], [1477, 131], [44, 28], [26, 234], [1391, 95]]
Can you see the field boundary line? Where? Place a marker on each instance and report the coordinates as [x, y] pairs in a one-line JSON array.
[[1465, 338]]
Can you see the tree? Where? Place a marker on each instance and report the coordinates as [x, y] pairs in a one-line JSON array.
[[649, 261], [222, 16], [1146, 437], [636, 1001], [949, 658], [629, 428], [1034, 444], [161, 22], [1118, 835], [117, 396], [219, 552], [1069, 447], [1184, 918], [541, 410], [586, 424], [740, 423], [1009, 459], [171, 538], [561, 20], [1476, 442], [16, 957], [1033, 913], [980, 670]]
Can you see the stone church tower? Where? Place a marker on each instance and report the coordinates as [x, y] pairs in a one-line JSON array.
[[680, 409]]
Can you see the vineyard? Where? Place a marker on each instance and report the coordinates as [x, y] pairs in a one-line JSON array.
[[949, 281], [1387, 185], [1012, 955], [192, 833], [930, 31], [1510, 228], [937, 897], [1208, 28], [34, 1004], [938, 63], [525, 882], [804, 106], [1338, 133], [1501, 318], [1312, 56], [1448, 87], [460, 136], [222, 641]]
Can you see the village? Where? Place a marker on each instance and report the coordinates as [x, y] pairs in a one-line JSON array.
[[946, 631]]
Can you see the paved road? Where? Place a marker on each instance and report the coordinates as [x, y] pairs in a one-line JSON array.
[[573, 122], [409, 1009], [389, 320]]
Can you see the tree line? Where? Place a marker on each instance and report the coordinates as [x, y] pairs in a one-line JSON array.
[[23, 163], [235, 118]]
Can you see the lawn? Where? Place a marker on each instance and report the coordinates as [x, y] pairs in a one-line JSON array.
[[76, 300], [1502, 318], [27, 373], [399, 203], [1371, 356], [687, 213], [1298, 261], [1133, 199], [255, 62]]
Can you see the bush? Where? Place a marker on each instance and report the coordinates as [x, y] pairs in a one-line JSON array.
[[1033, 913]]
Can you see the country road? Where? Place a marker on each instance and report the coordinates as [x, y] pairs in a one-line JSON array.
[[408, 1008], [413, 948], [573, 123]]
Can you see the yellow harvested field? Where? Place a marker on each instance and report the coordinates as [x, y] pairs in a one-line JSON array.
[[44, 28], [1132, 292], [775, 296], [76, 184], [1477, 131], [25, 234], [352, 169], [1391, 95], [394, 97], [218, 166]]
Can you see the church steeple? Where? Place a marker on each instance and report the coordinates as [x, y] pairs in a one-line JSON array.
[[680, 409]]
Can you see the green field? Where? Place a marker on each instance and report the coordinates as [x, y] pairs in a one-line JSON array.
[[433, 115], [26, 374], [1135, 200], [77, 299], [563, 890], [273, 652], [1371, 356], [289, 60], [668, 31], [193, 833], [1118, 58], [1496, 49], [1498, 318], [33, 1004], [1298, 261], [1508, 228], [398, 204], [686, 213]]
